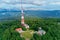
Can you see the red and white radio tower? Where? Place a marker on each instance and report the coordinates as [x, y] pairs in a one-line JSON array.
[[22, 17]]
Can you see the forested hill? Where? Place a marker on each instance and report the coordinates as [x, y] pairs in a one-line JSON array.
[[7, 29], [34, 13]]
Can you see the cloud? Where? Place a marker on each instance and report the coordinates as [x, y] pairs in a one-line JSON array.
[[33, 8], [55, 3], [3, 13], [33, 2], [10, 4], [17, 6], [39, 2], [29, 4]]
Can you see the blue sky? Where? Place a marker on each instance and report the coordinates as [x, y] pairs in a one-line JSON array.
[[31, 4]]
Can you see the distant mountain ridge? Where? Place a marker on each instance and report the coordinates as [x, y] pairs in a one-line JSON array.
[[9, 10], [15, 13]]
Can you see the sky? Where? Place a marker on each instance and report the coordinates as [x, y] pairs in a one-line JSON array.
[[31, 4]]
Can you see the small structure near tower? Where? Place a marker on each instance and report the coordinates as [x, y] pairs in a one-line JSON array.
[[19, 30], [41, 31]]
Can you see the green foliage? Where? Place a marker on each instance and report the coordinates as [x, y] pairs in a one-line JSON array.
[[27, 34], [7, 29], [36, 37]]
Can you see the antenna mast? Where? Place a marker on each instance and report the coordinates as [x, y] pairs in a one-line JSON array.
[[22, 17], [22, 14]]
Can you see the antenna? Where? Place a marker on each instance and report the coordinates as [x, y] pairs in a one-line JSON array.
[[21, 7], [22, 17]]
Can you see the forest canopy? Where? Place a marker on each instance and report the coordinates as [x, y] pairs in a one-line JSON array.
[[50, 25]]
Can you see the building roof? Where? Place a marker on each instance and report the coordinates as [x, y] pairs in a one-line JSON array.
[[18, 29]]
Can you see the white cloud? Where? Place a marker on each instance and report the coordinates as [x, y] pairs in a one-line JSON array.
[[34, 2], [39, 2], [16, 6], [34, 8], [3, 13], [55, 3], [28, 4], [9, 1]]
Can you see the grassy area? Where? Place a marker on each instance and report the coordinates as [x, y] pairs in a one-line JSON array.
[[27, 34], [7, 29]]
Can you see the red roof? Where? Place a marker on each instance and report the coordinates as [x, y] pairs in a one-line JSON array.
[[18, 29]]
